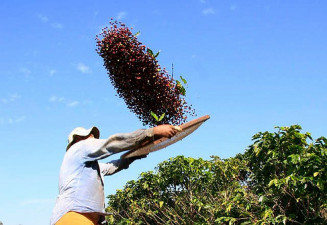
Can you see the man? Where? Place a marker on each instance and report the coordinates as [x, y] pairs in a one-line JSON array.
[[81, 192]]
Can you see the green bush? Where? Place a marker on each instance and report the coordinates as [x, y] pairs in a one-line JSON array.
[[280, 179], [289, 174]]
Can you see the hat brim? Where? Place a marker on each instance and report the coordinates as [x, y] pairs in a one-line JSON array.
[[93, 130]]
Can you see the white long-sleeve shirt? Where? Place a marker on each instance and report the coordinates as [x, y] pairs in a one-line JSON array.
[[81, 187]]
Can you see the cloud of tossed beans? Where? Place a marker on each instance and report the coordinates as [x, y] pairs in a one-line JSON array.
[[138, 78]]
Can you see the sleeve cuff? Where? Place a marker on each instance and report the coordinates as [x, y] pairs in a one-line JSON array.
[[150, 133]]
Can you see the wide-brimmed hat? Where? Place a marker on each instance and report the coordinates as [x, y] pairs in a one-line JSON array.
[[82, 132]]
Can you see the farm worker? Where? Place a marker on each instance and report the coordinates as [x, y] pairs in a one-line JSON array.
[[81, 187]]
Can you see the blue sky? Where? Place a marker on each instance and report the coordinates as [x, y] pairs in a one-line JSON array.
[[250, 65]]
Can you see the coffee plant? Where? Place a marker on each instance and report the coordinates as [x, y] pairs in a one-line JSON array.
[[133, 69], [280, 179]]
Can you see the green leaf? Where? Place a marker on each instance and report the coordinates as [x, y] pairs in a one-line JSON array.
[[256, 150], [180, 87], [228, 209], [232, 221], [154, 116], [150, 52], [184, 81], [267, 213], [161, 117], [137, 34], [183, 90], [316, 174], [320, 184], [274, 181], [161, 204], [156, 55]]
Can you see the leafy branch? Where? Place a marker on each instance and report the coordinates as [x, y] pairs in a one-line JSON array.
[[180, 86], [150, 52]]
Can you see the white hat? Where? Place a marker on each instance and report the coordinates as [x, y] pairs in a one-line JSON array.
[[82, 132]]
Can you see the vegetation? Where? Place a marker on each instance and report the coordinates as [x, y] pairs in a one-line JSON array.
[[280, 179]]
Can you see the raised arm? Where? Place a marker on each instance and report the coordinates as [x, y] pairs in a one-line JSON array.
[[126, 141]]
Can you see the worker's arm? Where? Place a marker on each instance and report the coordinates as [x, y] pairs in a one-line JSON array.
[[101, 148], [115, 166]]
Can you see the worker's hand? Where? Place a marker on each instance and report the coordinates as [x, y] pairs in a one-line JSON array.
[[165, 130], [132, 159]]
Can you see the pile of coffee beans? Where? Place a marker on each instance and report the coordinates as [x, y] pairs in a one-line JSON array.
[[138, 78]]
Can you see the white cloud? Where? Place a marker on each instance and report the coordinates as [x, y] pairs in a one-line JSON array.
[[10, 98], [208, 11], [68, 102], [13, 97], [43, 18], [16, 119], [57, 25], [52, 72], [83, 68], [53, 98], [56, 99], [121, 15], [25, 71], [73, 104]]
